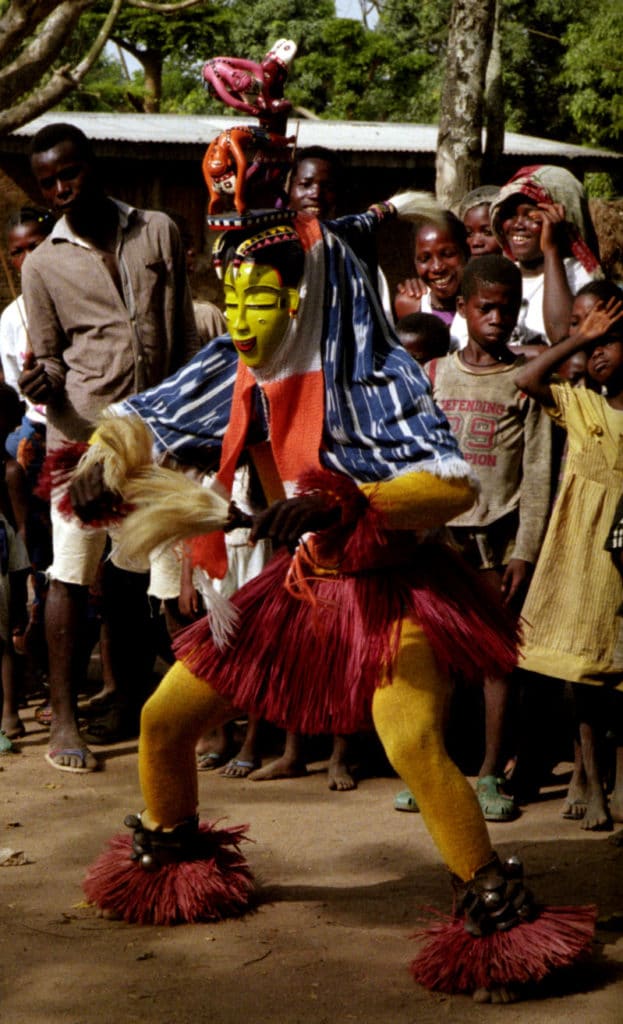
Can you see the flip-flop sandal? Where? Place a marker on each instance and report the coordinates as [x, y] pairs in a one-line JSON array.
[[405, 801], [209, 761], [247, 766], [494, 803], [6, 747], [43, 715], [79, 752]]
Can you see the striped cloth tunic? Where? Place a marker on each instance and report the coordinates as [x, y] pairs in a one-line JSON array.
[[572, 630], [379, 417]]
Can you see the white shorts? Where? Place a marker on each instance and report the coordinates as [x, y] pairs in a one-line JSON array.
[[77, 549], [165, 574], [244, 563]]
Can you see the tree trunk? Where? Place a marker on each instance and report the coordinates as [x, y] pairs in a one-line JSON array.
[[26, 69], [494, 103], [151, 61], [64, 80], [459, 147], [152, 66]]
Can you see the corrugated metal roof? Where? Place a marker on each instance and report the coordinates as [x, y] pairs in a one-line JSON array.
[[343, 136]]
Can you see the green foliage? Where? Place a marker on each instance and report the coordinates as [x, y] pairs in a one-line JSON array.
[[532, 52], [257, 24], [182, 34], [414, 75], [176, 44], [391, 73], [338, 79], [105, 89], [592, 75], [561, 60], [599, 185]]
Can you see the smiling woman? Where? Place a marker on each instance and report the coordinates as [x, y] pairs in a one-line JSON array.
[[440, 255], [541, 219]]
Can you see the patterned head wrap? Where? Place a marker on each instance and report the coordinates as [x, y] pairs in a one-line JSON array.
[[549, 184], [478, 197]]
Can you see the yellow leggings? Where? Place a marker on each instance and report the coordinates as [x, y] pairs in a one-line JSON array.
[[408, 716]]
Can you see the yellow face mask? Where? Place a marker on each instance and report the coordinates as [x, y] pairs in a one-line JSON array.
[[258, 309]]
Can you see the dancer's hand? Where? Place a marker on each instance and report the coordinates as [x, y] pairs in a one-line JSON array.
[[88, 493], [285, 522], [236, 518]]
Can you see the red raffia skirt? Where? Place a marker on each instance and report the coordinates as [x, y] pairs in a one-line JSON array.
[[311, 664]]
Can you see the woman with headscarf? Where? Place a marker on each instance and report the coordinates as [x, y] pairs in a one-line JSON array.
[[541, 219]]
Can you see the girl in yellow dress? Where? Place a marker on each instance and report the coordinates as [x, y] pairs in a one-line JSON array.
[[571, 627]]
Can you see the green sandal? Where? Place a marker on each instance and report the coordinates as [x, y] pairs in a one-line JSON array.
[[6, 747], [494, 803], [405, 801]]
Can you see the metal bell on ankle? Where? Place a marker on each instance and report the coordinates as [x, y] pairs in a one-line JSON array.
[[495, 899], [153, 848]]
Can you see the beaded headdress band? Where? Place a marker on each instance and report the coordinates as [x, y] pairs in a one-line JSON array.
[[248, 248]]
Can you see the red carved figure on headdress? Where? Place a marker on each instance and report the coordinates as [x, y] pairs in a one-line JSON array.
[[254, 88], [249, 164]]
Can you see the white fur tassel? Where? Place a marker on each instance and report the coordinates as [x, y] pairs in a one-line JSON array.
[[168, 507], [223, 616], [412, 205], [123, 446]]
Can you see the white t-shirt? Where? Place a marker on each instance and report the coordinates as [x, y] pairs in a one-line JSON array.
[[13, 348], [530, 324]]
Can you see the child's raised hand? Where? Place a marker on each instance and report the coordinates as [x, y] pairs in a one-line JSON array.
[[600, 319], [551, 215]]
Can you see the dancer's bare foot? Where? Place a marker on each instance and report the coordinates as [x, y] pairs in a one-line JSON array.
[[282, 768], [340, 776], [500, 994], [574, 810], [597, 816], [576, 799]]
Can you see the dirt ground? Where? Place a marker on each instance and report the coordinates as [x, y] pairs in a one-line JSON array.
[[342, 876]]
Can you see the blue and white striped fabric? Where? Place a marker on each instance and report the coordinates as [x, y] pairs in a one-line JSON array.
[[379, 414], [189, 412], [380, 417]]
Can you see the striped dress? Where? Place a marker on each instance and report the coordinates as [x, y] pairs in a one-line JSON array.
[[571, 627]]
